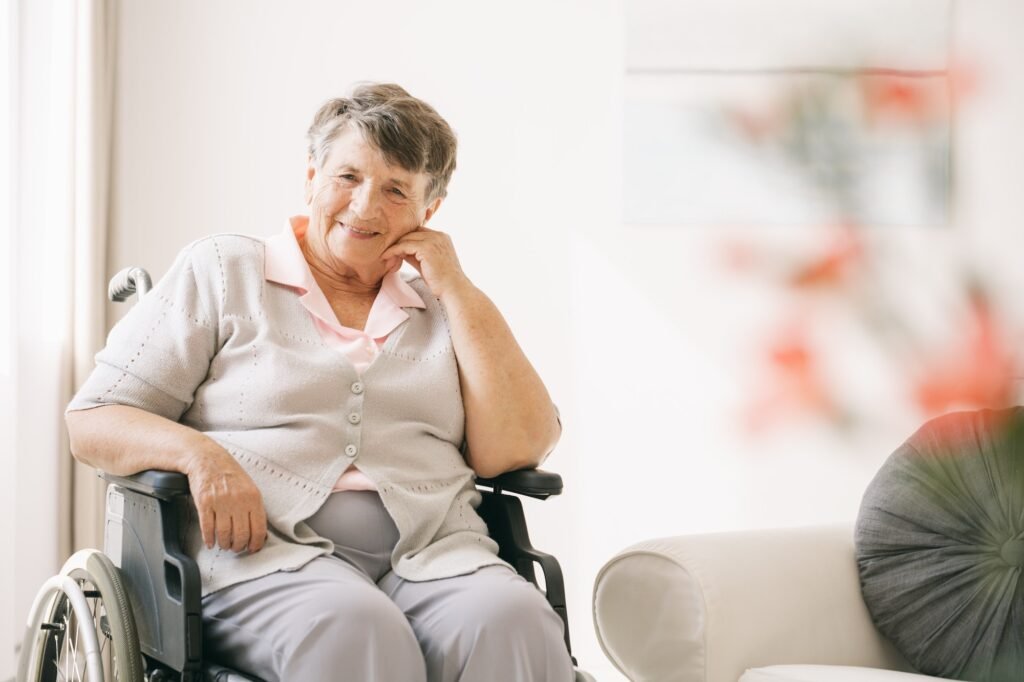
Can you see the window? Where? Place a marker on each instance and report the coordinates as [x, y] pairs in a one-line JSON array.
[[796, 112]]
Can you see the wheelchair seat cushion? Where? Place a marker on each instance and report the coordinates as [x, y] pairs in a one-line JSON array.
[[940, 547]]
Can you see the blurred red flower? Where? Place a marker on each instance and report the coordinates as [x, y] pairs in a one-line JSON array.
[[840, 259], [900, 100], [794, 385], [756, 126], [978, 371]]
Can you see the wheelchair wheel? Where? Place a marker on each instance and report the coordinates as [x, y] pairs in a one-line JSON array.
[[81, 627]]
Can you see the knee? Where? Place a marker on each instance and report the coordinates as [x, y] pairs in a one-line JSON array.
[[507, 631], [517, 610], [355, 616], [357, 623]]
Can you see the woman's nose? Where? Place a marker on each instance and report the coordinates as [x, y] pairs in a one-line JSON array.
[[363, 203]]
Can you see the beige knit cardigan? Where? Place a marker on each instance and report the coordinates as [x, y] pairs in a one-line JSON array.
[[218, 348]]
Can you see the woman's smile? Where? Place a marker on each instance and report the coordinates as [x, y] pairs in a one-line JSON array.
[[355, 232]]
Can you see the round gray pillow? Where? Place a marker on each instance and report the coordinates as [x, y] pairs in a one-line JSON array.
[[940, 547]]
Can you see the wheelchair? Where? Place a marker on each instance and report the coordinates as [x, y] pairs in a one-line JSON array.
[[132, 612]]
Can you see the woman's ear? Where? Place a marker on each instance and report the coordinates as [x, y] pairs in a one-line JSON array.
[[310, 175], [432, 209]]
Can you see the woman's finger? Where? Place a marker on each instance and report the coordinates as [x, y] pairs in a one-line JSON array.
[[224, 531], [399, 249], [207, 524], [240, 533], [418, 238], [258, 524]]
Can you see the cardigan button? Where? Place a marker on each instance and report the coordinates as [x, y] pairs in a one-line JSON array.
[[354, 418], [357, 387], [351, 450]]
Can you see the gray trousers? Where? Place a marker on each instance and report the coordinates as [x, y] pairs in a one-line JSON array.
[[349, 617]]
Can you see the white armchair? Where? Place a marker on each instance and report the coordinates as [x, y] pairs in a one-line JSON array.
[[757, 606]]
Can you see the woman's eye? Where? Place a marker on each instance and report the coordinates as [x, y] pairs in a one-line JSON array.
[[397, 192], [347, 176]]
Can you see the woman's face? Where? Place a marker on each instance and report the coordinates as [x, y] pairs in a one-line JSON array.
[[359, 205]]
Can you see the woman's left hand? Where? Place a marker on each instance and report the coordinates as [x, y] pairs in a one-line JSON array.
[[510, 420], [433, 255]]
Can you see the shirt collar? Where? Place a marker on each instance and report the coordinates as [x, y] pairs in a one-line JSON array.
[[285, 264]]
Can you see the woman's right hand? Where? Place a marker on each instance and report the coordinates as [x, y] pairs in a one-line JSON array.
[[124, 440], [230, 506]]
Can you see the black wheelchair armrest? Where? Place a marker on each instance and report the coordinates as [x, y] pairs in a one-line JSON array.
[[162, 485], [530, 482]]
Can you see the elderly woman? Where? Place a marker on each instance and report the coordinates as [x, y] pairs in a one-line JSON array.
[[331, 415]]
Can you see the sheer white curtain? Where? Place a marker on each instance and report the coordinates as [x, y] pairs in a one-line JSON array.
[[64, 108], [94, 90], [7, 482]]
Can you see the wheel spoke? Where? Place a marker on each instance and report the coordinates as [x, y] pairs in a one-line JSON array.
[[56, 660], [93, 606], [73, 660], [69, 646], [74, 651], [103, 627]]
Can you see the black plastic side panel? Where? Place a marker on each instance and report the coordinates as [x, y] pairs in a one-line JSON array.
[[145, 539]]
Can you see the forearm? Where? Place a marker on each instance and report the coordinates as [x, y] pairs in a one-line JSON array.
[[510, 419], [124, 440]]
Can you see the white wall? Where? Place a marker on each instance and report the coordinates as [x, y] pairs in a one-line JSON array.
[[634, 329]]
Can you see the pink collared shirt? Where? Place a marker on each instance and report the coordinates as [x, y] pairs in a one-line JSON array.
[[286, 265]]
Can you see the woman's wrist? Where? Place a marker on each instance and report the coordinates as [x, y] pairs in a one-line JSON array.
[[461, 289], [199, 451]]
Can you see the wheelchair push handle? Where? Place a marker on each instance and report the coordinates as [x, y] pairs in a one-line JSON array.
[[127, 282]]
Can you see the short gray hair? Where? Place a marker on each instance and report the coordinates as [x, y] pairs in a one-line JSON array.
[[407, 131]]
